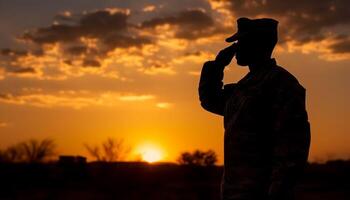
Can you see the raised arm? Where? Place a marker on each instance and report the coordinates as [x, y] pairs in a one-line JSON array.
[[212, 94]]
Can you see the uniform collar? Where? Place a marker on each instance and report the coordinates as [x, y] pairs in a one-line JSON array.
[[262, 66], [254, 76]]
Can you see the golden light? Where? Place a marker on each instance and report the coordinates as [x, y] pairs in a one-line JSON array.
[[150, 153], [151, 156]]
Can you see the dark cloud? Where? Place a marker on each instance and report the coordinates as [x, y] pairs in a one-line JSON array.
[[7, 52], [52, 34], [193, 18], [8, 56], [303, 21], [77, 50], [109, 27], [341, 46], [91, 63], [94, 24], [24, 70], [14, 69], [11, 52], [103, 22], [64, 17], [191, 24], [122, 41], [194, 53], [99, 24], [5, 96]]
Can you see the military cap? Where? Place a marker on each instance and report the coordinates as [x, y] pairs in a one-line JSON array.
[[263, 29]]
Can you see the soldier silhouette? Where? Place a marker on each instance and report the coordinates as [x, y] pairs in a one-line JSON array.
[[267, 133]]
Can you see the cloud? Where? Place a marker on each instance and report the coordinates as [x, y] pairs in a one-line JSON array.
[[24, 70], [92, 24], [190, 24], [19, 70], [95, 42], [11, 52], [107, 42], [7, 64], [110, 28], [195, 57], [72, 44], [64, 16], [91, 63], [194, 73], [121, 41], [302, 22], [155, 67], [341, 46], [164, 105], [77, 50], [149, 8], [72, 99], [136, 97], [194, 18]]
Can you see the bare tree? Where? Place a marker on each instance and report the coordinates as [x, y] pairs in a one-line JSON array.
[[94, 151], [14, 153], [38, 151], [29, 151], [112, 150]]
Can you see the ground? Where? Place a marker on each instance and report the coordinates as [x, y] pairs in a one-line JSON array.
[[168, 181]]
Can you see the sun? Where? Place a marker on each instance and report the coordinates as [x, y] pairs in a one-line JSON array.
[[150, 153]]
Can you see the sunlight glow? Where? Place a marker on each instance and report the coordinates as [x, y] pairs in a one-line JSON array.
[[150, 153], [151, 156]]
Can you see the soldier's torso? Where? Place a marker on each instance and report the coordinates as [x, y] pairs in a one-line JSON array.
[[247, 136]]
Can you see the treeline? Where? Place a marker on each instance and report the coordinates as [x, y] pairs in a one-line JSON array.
[[31, 151], [110, 150]]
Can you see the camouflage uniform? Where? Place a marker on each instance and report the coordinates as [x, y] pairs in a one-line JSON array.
[[267, 133]]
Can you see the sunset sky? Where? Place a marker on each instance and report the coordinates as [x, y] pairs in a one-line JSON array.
[[84, 70]]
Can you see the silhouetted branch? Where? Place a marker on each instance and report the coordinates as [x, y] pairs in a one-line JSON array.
[[94, 151], [38, 151], [112, 150], [29, 151]]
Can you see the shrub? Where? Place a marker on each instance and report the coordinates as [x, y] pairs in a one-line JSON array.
[[198, 158]]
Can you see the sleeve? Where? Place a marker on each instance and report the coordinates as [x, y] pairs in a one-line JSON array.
[[290, 138], [212, 94]]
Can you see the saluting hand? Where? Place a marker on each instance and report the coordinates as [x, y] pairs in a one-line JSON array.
[[225, 56]]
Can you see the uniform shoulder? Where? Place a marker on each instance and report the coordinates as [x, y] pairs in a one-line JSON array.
[[281, 76], [282, 81]]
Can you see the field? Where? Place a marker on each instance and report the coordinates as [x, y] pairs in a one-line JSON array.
[[139, 180]]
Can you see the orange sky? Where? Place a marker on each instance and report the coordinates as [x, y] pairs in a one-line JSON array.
[[89, 70]]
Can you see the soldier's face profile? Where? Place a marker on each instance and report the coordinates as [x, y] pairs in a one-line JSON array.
[[242, 54], [248, 51]]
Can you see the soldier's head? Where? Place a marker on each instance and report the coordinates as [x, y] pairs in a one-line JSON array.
[[256, 39]]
